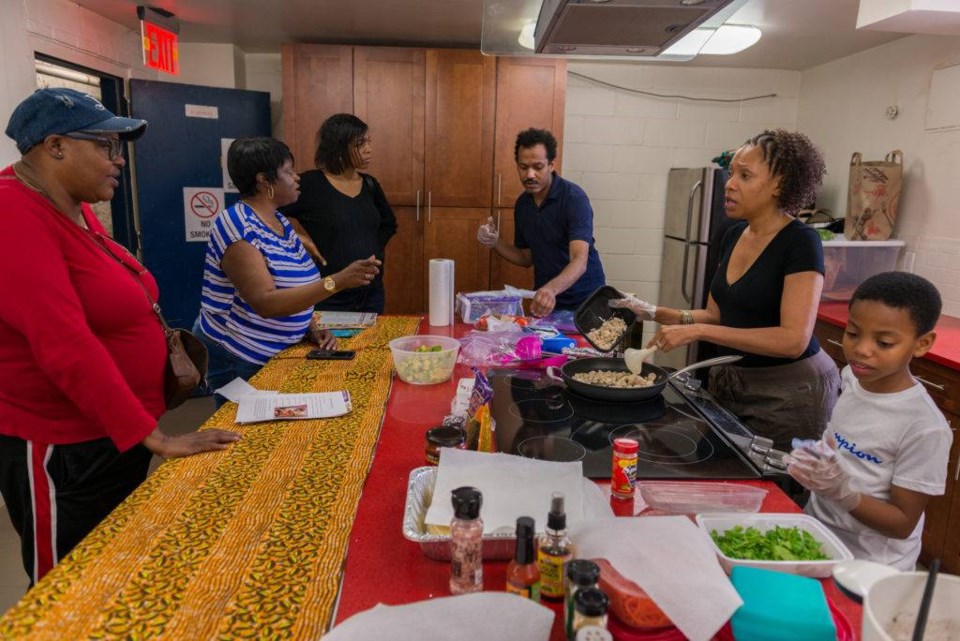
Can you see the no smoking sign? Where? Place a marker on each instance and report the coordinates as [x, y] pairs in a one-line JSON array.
[[200, 207]]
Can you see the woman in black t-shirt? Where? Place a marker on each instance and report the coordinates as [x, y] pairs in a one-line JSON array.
[[342, 215], [764, 296]]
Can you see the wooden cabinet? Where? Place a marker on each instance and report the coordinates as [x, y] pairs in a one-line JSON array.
[[405, 295], [941, 529], [317, 83], [388, 95], [444, 122], [531, 92]]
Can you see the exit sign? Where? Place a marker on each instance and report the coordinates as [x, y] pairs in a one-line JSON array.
[[159, 48]]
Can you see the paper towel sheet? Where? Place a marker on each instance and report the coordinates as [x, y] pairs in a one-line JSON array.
[[673, 561], [441, 293], [514, 486], [483, 616]]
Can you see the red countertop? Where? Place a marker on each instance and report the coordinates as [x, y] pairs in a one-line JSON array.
[[945, 351], [383, 567]]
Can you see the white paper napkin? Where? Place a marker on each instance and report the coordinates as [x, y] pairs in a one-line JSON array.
[[673, 561], [482, 616], [512, 486]]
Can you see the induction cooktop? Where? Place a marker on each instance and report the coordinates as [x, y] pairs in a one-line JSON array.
[[683, 433]]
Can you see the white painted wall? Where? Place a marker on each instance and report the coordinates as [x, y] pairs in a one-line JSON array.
[[619, 146], [210, 65], [842, 108], [264, 72]]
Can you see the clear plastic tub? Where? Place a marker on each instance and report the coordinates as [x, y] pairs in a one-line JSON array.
[[690, 497], [424, 359]]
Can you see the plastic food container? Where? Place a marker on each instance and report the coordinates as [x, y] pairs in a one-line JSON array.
[[832, 546], [847, 263], [474, 305], [690, 497], [433, 363], [596, 309]]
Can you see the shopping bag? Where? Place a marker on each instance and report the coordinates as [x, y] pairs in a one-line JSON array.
[[873, 197]]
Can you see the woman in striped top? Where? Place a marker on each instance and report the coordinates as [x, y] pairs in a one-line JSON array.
[[259, 283]]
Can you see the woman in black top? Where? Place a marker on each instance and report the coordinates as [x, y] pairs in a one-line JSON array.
[[342, 214], [764, 296]]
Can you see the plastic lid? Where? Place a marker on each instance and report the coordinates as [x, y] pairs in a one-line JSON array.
[[526, 529], [627, 445], [445, 436], [466, 502], [556, 518], [593, 633], [591, 602], [583, 572]]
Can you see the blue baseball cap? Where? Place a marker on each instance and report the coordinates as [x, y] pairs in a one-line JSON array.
[[60, 111]]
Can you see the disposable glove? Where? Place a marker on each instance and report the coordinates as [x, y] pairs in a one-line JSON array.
[[488, 234], [641, 308], [821, 470]]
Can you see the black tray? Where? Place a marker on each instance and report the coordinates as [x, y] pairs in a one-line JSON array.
[[596, 309]]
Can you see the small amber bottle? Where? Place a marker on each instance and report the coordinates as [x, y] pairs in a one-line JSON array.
[[554, 551], [523, 573]]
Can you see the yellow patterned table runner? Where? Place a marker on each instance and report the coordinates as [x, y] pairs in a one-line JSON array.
[[243, 544]]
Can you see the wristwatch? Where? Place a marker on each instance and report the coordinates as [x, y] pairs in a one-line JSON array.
[[329, 284]]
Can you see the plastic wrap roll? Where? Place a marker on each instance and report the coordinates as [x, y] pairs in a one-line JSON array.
[[441, 292]]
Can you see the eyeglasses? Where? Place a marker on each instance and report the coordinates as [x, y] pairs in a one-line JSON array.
[[114, 146]]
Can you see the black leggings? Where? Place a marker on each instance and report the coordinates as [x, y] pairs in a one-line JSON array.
[[57, 494]]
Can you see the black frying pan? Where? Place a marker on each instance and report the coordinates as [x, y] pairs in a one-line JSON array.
[[623, 394]]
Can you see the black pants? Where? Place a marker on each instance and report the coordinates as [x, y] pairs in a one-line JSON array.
[[57, 494]]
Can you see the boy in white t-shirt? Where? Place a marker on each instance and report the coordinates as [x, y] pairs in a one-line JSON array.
[[884, 452]]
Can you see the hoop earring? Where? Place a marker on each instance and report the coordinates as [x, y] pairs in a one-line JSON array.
[[270, 192]]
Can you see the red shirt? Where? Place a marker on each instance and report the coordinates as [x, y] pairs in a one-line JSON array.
[[82, 354]]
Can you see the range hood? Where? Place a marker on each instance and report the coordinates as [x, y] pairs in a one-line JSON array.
[[636, 28]]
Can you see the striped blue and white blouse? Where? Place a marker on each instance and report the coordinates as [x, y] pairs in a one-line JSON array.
[[227, 318]]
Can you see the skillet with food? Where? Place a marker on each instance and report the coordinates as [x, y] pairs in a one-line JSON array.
[[624, 394]]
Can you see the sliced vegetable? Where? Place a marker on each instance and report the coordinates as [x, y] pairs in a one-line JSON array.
[[778, 544]]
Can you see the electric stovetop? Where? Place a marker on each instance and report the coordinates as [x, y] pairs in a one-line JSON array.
[[683, 433]]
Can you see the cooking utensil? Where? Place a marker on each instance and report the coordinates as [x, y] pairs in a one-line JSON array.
[[595, 310], [921, 624], [565, 375], [634, 358]]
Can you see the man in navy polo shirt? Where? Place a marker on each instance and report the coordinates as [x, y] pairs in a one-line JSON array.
[[553, 229]]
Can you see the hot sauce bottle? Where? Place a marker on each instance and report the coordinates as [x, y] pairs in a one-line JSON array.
[[554, 551], [523, 574], [466, 541]]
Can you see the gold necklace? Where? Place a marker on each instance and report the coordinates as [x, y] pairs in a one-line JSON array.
[[266, 221], [17, 171]]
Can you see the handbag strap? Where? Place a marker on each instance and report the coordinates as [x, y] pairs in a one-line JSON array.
[[100, 241]]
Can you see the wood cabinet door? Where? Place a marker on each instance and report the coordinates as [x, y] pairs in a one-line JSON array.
[[388, 94], [317, 83], [459, 128], [531, 92], [503, 272], [451, 232], [941, 528], [403, 266]]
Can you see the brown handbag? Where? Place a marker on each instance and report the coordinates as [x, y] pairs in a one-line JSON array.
[[186, 354]]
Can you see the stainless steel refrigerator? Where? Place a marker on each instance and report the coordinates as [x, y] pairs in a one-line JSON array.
[[693, 229]]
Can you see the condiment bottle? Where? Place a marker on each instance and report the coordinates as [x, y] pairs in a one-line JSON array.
[[581, 574], [554, 551], [523, 573], [623, 476], [443, 436], [589, 608], [466, 541]]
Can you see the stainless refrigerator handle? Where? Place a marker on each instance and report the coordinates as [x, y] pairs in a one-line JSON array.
[[418, 205], [686, 243]]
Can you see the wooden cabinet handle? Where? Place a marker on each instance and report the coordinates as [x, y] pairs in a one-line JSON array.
[[929, 384], [833, 342], [418, 205], [499, 189], [429, 206]]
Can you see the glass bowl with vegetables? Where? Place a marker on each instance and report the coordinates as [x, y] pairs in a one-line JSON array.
[[424, 359], [794, 543]]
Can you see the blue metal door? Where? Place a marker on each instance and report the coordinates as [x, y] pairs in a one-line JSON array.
[[180, 180]]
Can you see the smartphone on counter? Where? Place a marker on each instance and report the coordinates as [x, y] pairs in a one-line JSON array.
[[331, 355]]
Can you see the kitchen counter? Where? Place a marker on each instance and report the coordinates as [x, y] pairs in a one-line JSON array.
[[945, 351], [296, 526]]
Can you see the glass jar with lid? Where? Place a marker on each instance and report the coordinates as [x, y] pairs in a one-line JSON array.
[[443, 436]]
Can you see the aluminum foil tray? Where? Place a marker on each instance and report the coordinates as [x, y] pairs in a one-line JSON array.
[[496, 546]]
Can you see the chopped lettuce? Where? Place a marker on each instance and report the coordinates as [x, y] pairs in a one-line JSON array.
[[778, 544]]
